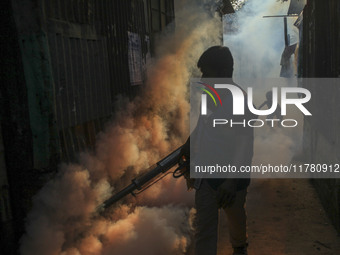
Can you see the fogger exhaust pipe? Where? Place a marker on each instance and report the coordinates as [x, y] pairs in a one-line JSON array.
[[137, 184]]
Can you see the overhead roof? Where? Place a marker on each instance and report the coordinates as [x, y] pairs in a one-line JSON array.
[[296, 6], [226, 7]]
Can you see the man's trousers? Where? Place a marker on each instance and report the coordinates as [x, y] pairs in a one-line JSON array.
[[206, 221]]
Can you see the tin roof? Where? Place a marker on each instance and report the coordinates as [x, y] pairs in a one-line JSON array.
[[226, 7], [296, 6]]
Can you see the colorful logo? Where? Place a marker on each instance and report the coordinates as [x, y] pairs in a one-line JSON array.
[[239, 98], [209, 93]]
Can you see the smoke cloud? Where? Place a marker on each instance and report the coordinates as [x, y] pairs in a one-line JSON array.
[[257, 44], [62, 220]]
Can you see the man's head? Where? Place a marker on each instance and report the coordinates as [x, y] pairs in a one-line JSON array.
[[216, 61]]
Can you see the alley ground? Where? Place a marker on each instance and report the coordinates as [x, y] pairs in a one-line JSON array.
[[285, 217]]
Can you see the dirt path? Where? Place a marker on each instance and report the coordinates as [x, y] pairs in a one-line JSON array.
[[285, 217]]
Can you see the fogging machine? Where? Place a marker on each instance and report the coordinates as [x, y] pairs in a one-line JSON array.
[[151, 176]]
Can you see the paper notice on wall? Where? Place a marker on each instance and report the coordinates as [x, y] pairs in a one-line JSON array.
[[147, 58], [135, 59]]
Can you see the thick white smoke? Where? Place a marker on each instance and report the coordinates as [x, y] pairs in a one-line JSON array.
[[257, 44], [144, 130]]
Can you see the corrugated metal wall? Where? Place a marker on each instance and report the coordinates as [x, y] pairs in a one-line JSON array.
[[65, 63], [321, 58], [88, 43]]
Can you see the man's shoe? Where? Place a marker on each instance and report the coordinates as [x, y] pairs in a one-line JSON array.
[[240, 251]]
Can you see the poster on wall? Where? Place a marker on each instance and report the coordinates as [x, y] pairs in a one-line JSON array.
[[135, 59]]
